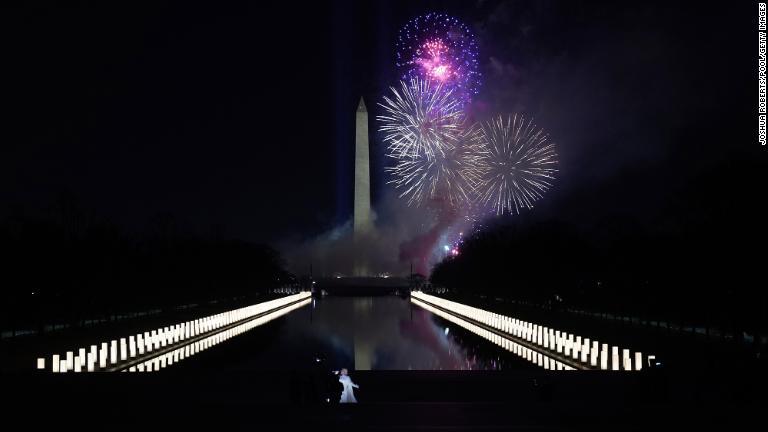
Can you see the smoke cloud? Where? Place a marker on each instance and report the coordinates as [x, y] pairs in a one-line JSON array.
[[403, 236]]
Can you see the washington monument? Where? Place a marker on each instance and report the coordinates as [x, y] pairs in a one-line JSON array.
[[362, 219]]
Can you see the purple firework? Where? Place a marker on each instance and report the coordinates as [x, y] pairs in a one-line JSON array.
[[439, 47]]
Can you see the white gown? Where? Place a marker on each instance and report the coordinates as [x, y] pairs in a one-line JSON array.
[[348, 394]]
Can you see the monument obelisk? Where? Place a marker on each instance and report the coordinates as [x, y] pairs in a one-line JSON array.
[[362, 220]]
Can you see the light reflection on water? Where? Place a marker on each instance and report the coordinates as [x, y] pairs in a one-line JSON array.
[[361, 333], [532, 356]]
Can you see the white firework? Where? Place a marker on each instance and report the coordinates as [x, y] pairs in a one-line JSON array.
[[420, 119], [450, 175], [517, 164]]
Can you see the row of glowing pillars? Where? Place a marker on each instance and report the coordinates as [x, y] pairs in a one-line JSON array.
[[181, 353], [144, 343], [521, 351], [576, 347]]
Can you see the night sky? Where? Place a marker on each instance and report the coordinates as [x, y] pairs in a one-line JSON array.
[[238, 118]]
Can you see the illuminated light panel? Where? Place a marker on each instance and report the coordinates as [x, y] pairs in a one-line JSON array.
[[548, 339], [510, 345], [185, 352], [110, 353]]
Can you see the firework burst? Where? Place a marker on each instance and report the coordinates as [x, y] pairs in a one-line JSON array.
[[420, 119], [450, 175], [440, 47], [517, 164]]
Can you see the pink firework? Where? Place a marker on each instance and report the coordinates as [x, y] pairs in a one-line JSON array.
[[441, 48], [435, 62]]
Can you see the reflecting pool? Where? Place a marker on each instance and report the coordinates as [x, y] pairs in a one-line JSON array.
[[360, 333]]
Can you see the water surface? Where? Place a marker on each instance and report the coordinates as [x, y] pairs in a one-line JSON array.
[[361, 333]]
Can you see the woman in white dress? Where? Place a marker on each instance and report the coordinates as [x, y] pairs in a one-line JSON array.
[[348, 394]]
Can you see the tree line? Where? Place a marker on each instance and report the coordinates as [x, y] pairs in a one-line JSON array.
[[71, 268]]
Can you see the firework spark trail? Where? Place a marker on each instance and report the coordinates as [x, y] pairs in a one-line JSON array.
[[420, 119], [451, 175], [517, 164]]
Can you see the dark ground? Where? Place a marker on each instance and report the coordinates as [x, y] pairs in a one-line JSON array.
[[391, 400]]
